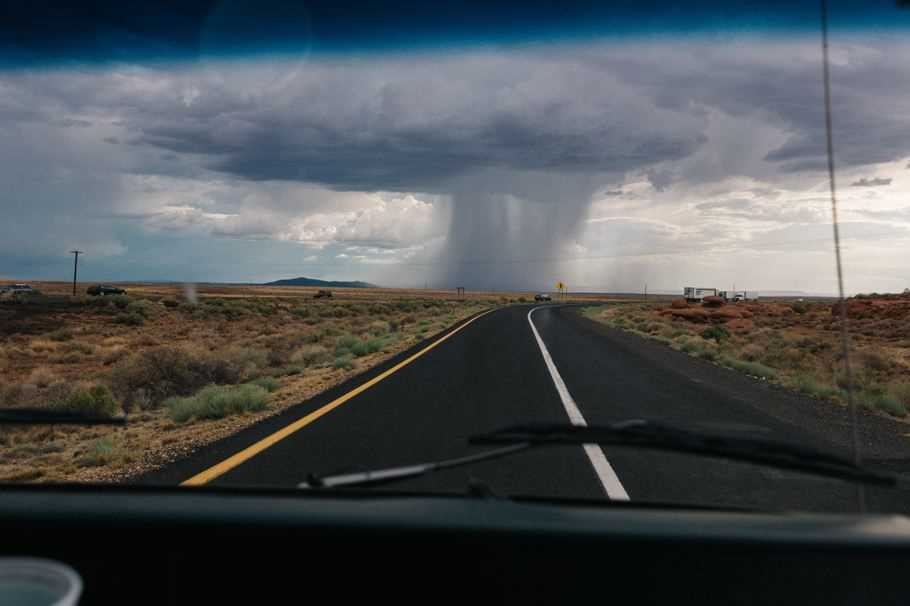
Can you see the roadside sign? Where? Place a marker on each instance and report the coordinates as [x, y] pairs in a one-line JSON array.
[[560, 286]]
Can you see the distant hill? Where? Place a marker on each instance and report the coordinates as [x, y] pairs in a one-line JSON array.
[[323, 283]]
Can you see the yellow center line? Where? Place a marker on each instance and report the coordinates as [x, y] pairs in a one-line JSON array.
[[251, 451]]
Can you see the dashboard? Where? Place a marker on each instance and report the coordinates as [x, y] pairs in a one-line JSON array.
[[188, 546]]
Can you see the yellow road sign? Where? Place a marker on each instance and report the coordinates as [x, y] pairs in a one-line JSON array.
[[560, 286]]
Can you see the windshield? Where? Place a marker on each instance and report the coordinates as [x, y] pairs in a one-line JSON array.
[[286, 240]]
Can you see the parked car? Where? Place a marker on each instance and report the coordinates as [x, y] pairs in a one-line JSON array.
[[104, 289], [19, 290], [323, 294], [542, 297]]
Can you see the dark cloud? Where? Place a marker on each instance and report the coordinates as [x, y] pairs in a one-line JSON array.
[[376, 151], [660, 179], [876, 182], [782, 86], [73, 123]]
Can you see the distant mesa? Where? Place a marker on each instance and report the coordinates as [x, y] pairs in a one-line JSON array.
[[321, 283]]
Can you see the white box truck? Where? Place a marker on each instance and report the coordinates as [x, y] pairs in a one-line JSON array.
[[694, 294], [739, 295]]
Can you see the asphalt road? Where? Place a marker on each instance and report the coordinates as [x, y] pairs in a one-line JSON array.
[[493, 373]]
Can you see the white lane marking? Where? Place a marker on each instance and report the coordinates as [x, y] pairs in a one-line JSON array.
[[605, 473]]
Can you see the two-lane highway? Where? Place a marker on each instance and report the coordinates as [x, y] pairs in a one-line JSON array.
[[552, 365]]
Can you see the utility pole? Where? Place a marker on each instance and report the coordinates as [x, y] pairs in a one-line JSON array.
[[75, 267], [646, 291]]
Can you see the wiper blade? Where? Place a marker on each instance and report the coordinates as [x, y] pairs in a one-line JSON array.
[[41, 416], [632, 433], [659, 436], [394, 474]]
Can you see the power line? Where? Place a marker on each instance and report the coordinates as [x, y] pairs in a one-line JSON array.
[[845, 340]]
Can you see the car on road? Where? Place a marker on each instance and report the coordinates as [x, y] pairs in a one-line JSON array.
[[542, 297], [99, 290], [18, 290], [323, 294]]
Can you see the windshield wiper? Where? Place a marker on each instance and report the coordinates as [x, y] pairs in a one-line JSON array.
[[393, 474], [41, 416], [660, 436], [633, 433]]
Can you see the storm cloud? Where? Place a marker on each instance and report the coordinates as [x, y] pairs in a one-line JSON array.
[[463, 167]]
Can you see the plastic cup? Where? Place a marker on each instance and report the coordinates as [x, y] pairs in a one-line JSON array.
[[38, 582]]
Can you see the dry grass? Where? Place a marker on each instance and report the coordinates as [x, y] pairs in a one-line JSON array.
[[59, 351], [793, 344]]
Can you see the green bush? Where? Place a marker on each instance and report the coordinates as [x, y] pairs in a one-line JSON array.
[[311, 355], [131, 319], [708, 354], [812, 386], [875, 397], [139, 307], [61, 334], [379, 328], [154, 375], [717, 333], [755, 369], [171, 303], [100, 453], [345, 361], [218, 401], [900, 391], [270, 384], [691, 346], [158, 373], [891, 405], [119, 301], [345, 343], [93, 401], [799, 307], [406, 305], [360, 348]]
